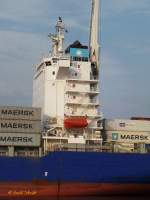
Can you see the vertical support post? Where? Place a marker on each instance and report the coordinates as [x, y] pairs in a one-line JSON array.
[[11, 151]]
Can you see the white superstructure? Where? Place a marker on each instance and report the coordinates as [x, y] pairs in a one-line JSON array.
[[66, 87]]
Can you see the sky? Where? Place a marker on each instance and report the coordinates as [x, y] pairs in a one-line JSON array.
[[124, 41]]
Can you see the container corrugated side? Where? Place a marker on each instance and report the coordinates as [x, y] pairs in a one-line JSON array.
[[128, 137], [19, 126], [19, 139], [24, 113], [126, 125]]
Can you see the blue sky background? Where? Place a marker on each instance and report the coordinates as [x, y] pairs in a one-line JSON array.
[[125, 49]]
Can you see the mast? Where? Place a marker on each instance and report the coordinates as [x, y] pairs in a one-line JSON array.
[[58, 38], [94, 33]]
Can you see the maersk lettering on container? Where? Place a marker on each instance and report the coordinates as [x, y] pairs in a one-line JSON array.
[[128, 137], [26, 113], [17, 139], [19, 126]]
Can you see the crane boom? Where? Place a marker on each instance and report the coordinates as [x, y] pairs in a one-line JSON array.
[[94, 33]]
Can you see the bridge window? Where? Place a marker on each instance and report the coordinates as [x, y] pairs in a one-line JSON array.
[[84, 59], [55, 60], [48, 63]]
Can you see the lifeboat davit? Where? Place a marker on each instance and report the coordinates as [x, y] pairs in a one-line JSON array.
[[75, 122]]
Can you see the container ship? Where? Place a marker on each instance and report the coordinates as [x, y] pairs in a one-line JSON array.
[[61, 146]]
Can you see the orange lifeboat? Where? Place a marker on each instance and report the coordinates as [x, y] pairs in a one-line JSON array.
[[75, 122]]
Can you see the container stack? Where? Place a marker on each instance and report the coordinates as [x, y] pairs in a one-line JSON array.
[[20, 131], [123, 131]]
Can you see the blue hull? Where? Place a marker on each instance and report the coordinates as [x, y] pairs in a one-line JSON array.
[[83, 167]]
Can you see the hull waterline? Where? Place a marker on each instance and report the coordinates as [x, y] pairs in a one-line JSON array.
[[46, 190]]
